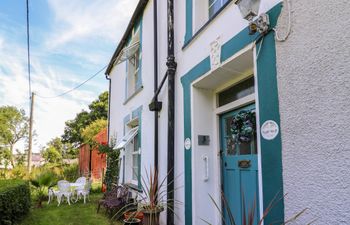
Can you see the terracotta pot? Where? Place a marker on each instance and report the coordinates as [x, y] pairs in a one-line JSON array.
[[133, 214], [151, 217], [133, 221]]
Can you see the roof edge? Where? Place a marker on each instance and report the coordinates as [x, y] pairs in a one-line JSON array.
[[139, 9]]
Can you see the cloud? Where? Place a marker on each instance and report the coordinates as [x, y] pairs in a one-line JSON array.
[[49, 114], [76, 21], [77, 42]]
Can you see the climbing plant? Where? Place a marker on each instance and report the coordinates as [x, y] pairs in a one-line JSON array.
[[112, 170]]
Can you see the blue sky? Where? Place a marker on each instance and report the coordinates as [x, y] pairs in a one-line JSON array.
[[70, 41]]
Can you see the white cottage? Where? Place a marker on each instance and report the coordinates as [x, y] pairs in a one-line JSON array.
[[258, 114]]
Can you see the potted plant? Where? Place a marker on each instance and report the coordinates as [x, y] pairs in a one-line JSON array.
[[133, 214], [131, 221], [151, 202]]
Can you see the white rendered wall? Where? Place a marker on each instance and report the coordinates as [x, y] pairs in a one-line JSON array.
[[226, 25], [314, 86]]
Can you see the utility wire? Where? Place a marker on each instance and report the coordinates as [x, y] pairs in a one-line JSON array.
[[28, 52], [76, 87]]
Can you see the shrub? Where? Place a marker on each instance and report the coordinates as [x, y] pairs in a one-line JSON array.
[[14, 200], [42, 182], [70, 172]]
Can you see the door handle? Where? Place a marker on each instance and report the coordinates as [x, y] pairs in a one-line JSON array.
[[225, 164], [206, 168]]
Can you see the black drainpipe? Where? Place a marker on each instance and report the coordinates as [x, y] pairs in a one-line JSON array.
[[155, 65], [171, 64]]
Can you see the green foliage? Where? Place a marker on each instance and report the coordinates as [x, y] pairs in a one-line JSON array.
[[14, 200], [56, 150], [89, 132], [13, 128], [98, 109], [41, 182], [70, 172], [112, 170], [51, 155]]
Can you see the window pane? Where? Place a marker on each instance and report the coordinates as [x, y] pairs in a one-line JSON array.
[[237, 91], [136, 143], [214, 6], [230, 142], [135, 163]]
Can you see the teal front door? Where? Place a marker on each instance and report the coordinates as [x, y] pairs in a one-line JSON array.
[[239, 164]]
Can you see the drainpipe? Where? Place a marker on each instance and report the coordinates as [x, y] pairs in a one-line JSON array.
[[155, 65], [109, 106], [171, 64]]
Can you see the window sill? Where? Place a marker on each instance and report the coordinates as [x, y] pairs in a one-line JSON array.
[[133, 187], [200, 30], [131, 96]]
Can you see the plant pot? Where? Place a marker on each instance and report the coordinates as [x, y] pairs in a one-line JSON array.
[[151, 216], [133, 214], [132, 221]]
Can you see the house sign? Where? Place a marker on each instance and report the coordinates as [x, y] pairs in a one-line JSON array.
[[269, 130]]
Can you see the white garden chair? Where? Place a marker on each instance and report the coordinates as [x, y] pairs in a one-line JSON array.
[[52, 194], [81, 180], [64, 190], [85, 191]]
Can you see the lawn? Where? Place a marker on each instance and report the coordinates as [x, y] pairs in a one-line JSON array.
[[75, 214]]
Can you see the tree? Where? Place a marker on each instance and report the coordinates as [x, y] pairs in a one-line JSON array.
[[98, 109], [89, 132], [51, 155], [56, 150], [13, 128]]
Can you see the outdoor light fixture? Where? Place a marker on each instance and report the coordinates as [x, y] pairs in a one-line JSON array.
[[250, 9]]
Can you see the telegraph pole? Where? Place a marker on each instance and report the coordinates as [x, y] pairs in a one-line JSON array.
[[30, 133]]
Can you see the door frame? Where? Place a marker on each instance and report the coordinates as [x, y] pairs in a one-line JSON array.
[[247, 100]]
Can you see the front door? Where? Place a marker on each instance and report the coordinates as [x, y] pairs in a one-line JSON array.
[[239, 163]]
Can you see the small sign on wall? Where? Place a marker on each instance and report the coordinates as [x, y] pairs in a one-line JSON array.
[[203, 140], [269, 130]]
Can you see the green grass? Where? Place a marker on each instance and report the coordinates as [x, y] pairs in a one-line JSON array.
[[75, 214]]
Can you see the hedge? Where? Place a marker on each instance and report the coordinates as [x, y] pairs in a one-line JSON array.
[[14, 201]]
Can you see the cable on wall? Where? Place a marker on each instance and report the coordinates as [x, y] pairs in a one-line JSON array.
[[289, 26]]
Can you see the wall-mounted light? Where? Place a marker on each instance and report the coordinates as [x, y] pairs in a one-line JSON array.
[[250, 9]]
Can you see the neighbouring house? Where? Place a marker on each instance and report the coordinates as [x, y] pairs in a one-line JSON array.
[[93, 160], [37, 160], [260, 115]]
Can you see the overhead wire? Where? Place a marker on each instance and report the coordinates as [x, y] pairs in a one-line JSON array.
[[76, 87], [28, 52]]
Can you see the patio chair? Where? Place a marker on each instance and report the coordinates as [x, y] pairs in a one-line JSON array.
[[85, 191], [64, 190], [112, 194], [81, 180], [116, 199], [52, 194]]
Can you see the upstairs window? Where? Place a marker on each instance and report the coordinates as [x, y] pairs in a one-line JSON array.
[[133, 64], [215, 6]]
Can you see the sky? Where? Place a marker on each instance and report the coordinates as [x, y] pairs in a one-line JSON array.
[[70, 41]]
